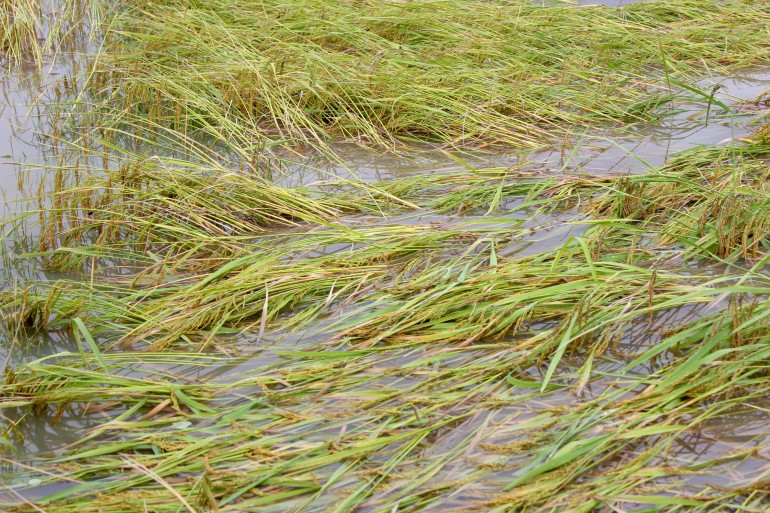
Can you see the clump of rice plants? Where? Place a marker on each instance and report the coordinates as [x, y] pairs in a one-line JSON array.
[[32, 29], [459, 73], [479, 339]]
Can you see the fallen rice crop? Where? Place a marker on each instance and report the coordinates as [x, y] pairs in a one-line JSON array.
[[493, 339], [247, 78]]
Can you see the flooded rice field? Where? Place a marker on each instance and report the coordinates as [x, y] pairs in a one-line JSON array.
[[397, 257]]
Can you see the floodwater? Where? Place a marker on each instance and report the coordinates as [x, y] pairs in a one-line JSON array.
[[22, 122], [52, 433]]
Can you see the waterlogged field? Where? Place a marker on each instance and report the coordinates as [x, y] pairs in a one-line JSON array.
[[316, 256]]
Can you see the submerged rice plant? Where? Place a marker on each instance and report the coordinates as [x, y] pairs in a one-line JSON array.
[[33, 29]]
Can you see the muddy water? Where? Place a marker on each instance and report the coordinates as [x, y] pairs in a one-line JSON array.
[[651, 145], [22, 122]]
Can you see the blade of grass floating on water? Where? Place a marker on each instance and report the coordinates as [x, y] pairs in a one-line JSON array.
[[83, 330]]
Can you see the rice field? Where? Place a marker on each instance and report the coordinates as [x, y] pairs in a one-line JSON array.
[[430, 256]]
